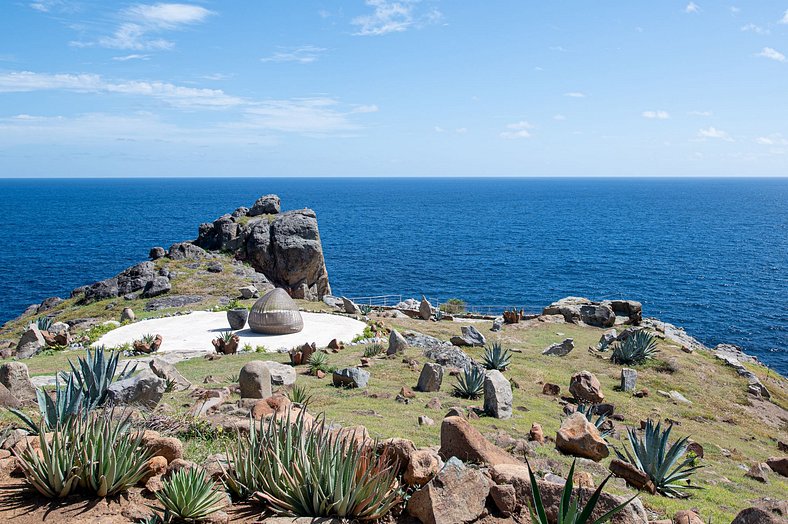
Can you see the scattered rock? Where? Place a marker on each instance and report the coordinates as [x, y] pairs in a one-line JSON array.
[[759, 472], [281, 374], [434, 403], [8, 400], [536, 434], [424, 420], [350, 307], [696, 449], [778, 464], [157, 252], [31, 342], [351, 378], [186, 251], [580, 438], [15, 377], [581, 310], [168, 447], [678, 397], [470, 337], [632, 475], [584, 386], [157, 466], [629, 379], [255, 380], [551, 389], [157, 286], [265, 205], [497, 395], [145, 389], [687, 516], [248, 292], [560, 349], [497, 324], [606, 340], [168, 372], [504, 497], [422, 466], [425, 309], [460, 439], [456, 495], [127, 315], [397, 343], [430, 378], [771, 512]]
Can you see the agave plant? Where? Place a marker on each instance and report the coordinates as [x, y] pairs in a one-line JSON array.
[[495, 357], [302, 468], [227, 335], [365, 309], [95, 373], [635, 349], [148, 338], [55, 412], [589, 410], [189, 495], [569, 511], [299, 394], [662, 463], [109, 453], [43, 323], [318, 361], [373, 350], [470, 383], [54, 469]]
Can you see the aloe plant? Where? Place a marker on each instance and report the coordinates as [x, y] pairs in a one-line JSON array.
[[662, 463], [470, 383], [318, 361], [589, 410], [635, 349], [54, 472], [373, 350], [302, 468], [68, 401], [227, 336], [43, 323], [189, 495], [111, 456], [569, 511], [299, 394], [495, 357], [365, 309]]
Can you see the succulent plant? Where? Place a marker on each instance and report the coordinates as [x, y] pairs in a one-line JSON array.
[[318, 361], [365, 309], [303, 468], [470, 383], [635, 349], [495, 357], [190, 495], [373, 350], [299, 394], [43, 323], [54, 472], [569, 511], [95, 373], [662, 463], [227, 336]]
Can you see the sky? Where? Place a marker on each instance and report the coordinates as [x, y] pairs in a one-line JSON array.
[[92, 88]]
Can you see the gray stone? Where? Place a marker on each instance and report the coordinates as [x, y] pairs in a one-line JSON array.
[[15, 377], [425, 309], [223, 233], [281, 374], [606, 339], [157, 286], [351, 378], [678, 397], [249, 292], [173, 301], [350, 307], [127, 315], [497, 395], [7, 400], [497, 324], [470, 337], [265, 205], [48, 304], [629, 379], [430, 378], [135, 278], [255, 380], [214, 267], [168, 372], [31, 342], [157, 252], [101, 290], [767, 512], [145, 389], [560, 349], [578, 309], [397, 343], [455, 496], [59, 328], [186, 251]]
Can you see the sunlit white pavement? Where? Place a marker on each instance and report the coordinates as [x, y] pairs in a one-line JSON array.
[[194, 332]]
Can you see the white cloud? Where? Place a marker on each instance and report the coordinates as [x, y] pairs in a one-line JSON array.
[[700, 113], [713, 132], [394, 17], [371, 108], [784, 19], [131, 57], [776, 139], [305, 54], [310, 116], [692, 7], [48, 6], [755, 29], [517, 130], [461, 130], [142, 21], [735, 10], [575, 94], [21, 81], [559, 117], [216, 76], [772, 54], [438, 129], [657, 115]]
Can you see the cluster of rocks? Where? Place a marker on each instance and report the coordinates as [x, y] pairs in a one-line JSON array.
[[578, 310]]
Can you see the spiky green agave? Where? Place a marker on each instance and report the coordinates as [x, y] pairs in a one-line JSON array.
[[635, 349], [190, 495], [55, 471], [662, 463], [470, 383], [495, 357]]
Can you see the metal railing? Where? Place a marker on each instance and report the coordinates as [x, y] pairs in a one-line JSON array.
[[378, 300], [474, 309]]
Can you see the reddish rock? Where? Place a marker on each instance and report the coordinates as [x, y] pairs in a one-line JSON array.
[[157, 466], [759, 472], [505, 498], [632, 475], [583, 479], [456, 496], [168, 447], [406, 392], [687, 516], [460, 439], [434, 403], [767, 513], [779, 465], [695, 448], [536, 434], [424, 464], [400, 449], [584, 386], [551, 389], [154, 484], [580, 438]]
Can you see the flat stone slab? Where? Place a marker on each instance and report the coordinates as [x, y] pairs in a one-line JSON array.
[[194, 332]]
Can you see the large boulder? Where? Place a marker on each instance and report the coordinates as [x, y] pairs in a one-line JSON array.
[[255, 380], [101, 290], [351, 378], [350, 307], [516, 475], [144, 388], [157, 286], [298, 255], [186, 251], [460, 439], [455, 496], [580, 438], [8, 400], [470, 337], [265, 205], [497, 395], [425, 309], [631, 309], [768, 512], [222, 233], [163, 369], [15, 377], [582, 310], [281, 374], [31, 342], [585, 387], [430, 378], [397, 343], [136, 277], [560, 349]]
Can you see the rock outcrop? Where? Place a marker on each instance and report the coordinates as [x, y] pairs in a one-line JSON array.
[[607, 313]]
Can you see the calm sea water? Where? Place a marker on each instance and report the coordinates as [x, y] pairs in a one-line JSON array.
[[710, 255]]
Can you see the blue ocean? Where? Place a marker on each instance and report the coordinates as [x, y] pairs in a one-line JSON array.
[[707, 254]]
